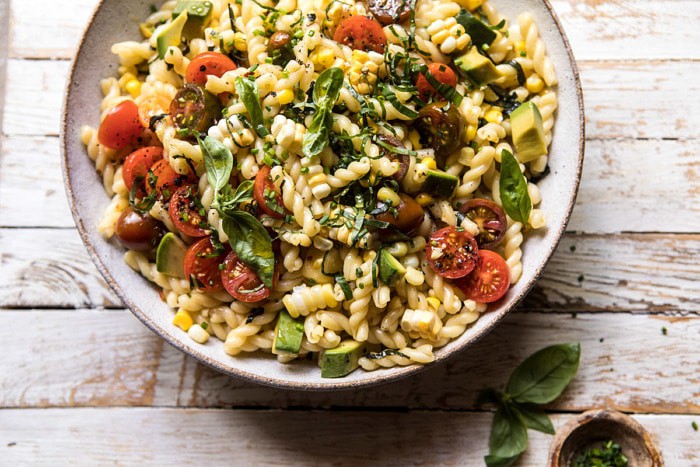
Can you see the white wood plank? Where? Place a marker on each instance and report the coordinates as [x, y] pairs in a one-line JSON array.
[[50, 268], [171, 436], [623, 29], [623, 100], [117, 361]]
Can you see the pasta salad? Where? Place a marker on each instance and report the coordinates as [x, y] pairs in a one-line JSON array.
[[343, 180]]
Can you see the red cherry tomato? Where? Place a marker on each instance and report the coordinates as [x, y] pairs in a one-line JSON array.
[[452, 252], [361, 33], [242, 282], [208, 63], [268, 198], [137, 231], [202, 264], [121, 126], [489, 281], [137, 164], [187, 212], [441, 72], [167, 180], [490, 219]]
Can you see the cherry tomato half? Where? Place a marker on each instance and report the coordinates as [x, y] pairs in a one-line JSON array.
[[490, 219], [187, 212], [208, 63], [137, 164], [408, 216], [167, 180], [361, 33], [266, 195], [452, 252], [440, 125], [390, 11], [489, 281], [202, 264], [242, 282], [152, 106], [121, 126], [441, 72], [194, 109], [137, 231], [404, 160]]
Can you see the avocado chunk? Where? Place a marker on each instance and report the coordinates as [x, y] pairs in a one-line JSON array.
[[170, 256], [477, 68], [439, 184], [288, 335], [198, 16], [479, 31], [342, 360], [528, 132], [390, 269], [171, 35]]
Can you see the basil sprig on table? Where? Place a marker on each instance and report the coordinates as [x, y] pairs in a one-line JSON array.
[[513, 189], [246, 235], [247, 91], [540, 379], [326, 92]]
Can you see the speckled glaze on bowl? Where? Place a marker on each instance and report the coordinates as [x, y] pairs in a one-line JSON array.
[[115, 21]]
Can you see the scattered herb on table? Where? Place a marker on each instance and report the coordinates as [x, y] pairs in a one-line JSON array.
[[664, 331], [694, 425], [608, 455], [538, 380]]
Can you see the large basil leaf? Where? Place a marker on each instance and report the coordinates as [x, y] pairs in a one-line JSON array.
[[544, 375], [534, 417], [229, 200], [248, 92], [513, 189], [251, 243], [326, 92], [328, 85], [218, 162], [508, 435]]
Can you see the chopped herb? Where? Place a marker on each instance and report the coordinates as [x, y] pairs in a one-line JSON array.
[[581, 277], [664, 331], [608, 455], [343, 283], [694, 425], [572, 248]]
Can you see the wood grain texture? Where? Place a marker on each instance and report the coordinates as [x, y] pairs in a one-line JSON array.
[[623, 100], [620, 29], [171, 436], [117, 361], [50, 268]]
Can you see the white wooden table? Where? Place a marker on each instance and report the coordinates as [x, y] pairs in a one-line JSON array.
[[81, 380]]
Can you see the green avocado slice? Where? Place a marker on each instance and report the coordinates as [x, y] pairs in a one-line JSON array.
[[170, 256], [171, 35], [342, 360], [528, 132], [288, 335]]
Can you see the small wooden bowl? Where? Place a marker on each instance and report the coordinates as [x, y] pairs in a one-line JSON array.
[[595, 426]]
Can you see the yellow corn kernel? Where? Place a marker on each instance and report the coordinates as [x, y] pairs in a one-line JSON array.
[[388, 196], [183, 320], [429, 162], [126, 78], [534, 84], [133, 87], [414, 138], [471, 132], [240, 42], [424, 199], [494, 116], [434, 303], [285, 97], [470, 5], [325, 58]]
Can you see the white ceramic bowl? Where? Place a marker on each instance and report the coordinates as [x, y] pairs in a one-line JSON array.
[[115, 21]]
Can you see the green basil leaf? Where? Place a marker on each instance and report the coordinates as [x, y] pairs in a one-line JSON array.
[[508, 434], [534, 417], [326, 92], [218, 162], [542, 377], [251, 243], [229, 201], [513, 189], [497, 461], [327, 86], [248, 92]]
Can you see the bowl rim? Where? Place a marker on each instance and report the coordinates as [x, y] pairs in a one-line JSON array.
[[389, 375]]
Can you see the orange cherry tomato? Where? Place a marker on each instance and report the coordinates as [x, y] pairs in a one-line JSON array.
[[208, 63], [137, 164], [452, 252], [489, 281], [202, 262], [266, 195], [443, 73], [167, 180], [187, 212], [152, 106], [242, 282], [361, 33], [121, 126]]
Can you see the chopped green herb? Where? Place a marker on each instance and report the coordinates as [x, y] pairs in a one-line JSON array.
[[608, 455], [664, 331]]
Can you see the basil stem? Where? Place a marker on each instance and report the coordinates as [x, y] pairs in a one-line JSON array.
[[248, 93], [513, 189], [218, 162]]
